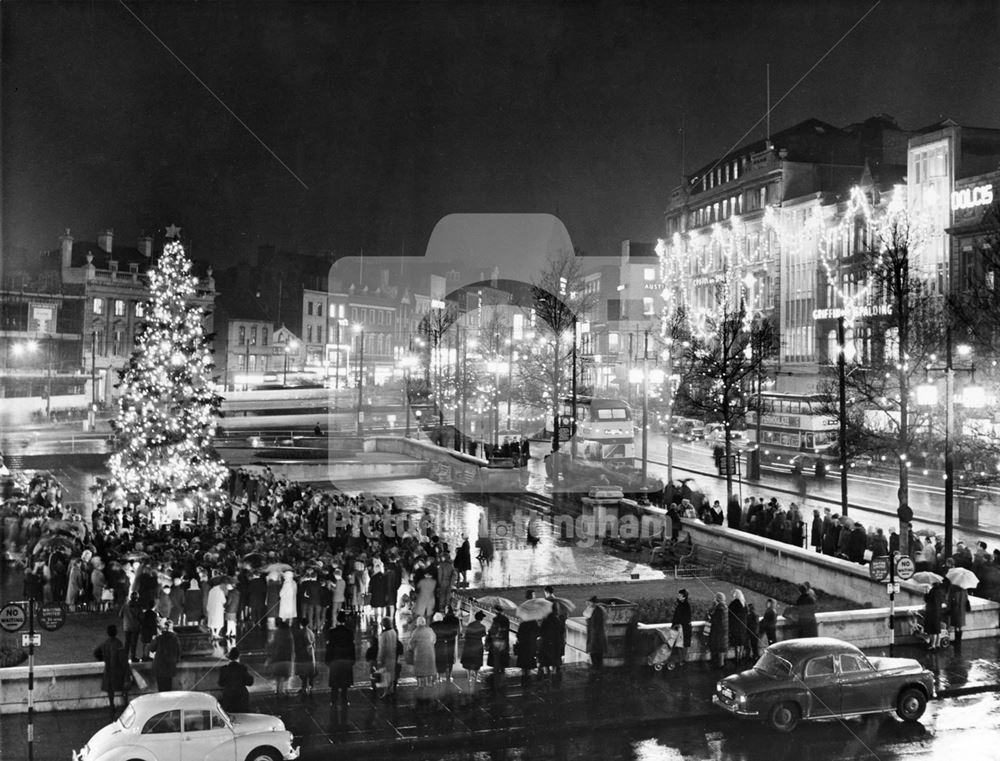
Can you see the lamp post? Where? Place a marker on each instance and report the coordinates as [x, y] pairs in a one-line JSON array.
[[842, 388], [360, 330], [643, 375], [290, 346], [972, 398], [340, 322], [92, 417]]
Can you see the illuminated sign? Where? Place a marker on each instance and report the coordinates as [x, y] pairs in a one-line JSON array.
[[969, 198], [876, 310]]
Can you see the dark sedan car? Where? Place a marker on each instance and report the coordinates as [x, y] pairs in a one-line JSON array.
[[821, 678]]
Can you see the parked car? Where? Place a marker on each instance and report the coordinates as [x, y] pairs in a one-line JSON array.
[[821, 678], [176, 726]]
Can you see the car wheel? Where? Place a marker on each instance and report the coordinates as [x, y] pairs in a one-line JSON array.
[[911, 704], [784, 717], [264, 754]]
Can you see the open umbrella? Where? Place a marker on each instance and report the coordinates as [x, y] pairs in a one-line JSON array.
[[928, 577], [534, 610], [277, 568], [963, 577], [74, 529], [565, 606], [494, 601], [924, 532], [137, 555], [53, 544]]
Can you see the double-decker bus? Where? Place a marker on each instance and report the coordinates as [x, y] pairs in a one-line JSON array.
[[794, 434], [603, 428]]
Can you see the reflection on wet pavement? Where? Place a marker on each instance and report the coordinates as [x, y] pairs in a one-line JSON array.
[[564, 553]]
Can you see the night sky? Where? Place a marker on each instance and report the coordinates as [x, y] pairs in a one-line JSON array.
[[395, 114]]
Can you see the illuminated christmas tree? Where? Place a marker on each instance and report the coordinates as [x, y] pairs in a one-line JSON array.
[[167, 410]]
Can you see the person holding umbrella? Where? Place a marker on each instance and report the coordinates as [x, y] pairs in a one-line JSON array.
[[499, 646], [526, 647]]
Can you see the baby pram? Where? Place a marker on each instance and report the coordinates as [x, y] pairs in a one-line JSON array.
[[660, 657]]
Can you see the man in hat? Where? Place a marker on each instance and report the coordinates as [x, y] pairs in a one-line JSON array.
[[597, 635]]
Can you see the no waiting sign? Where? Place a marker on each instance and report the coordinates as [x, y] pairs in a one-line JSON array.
[[12, 617]]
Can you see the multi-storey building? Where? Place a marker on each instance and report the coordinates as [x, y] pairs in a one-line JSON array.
[[83, 305]]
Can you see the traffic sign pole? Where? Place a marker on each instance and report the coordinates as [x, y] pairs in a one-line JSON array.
[[892, 602], [31, 679]]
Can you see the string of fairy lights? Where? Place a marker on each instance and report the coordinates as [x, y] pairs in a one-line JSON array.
[[167, 409]]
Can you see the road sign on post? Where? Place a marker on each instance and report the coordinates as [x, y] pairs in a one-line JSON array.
[[878, 569], [52, 616], [12, 618], [904, 567], [727, 466]]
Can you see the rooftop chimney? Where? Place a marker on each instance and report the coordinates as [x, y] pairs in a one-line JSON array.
[[145, 246], [66, 246], [105, 239]]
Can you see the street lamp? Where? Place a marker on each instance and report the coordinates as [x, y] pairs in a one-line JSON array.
[[291, 345], [360, 330], [644, 375], [974, 396]]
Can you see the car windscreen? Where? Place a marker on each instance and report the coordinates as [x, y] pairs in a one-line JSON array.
[[773, 665]]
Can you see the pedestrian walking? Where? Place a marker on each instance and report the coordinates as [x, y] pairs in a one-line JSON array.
[[769, 623], [117, 673], [426, 587], [340, 657], [387, 658], [445, 581], [753, 633], [149, 627], [552, 645], [958, 606], [597, 636], [304, 648], [166, 649], [805, 611], [463, 562], [682, 618], [718, 635], [131, 615], [472, 647], [445, 626], [288, 598], [420, 653], [526, 648], [234, 679], [498, 642], [280, 653], [738, 624], [215, 609]]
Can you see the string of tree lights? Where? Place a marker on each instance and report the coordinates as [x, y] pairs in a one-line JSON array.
[[167, 410]]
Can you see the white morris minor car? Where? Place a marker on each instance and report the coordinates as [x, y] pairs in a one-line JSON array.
[[188, 726]]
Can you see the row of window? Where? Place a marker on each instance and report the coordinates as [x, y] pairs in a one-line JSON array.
[[118, 307], [723, 173], [242, 335], [726, 208]]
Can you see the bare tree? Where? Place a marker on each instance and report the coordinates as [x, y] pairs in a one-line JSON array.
[[726, 358]]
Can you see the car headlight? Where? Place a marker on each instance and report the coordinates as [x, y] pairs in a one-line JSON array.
[[741, 699], [718, 686]]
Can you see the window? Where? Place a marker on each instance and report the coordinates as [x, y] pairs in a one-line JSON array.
[[117, 337], [242, 335], [252, 362], [197, 721], [354, 314], [319, 308], [263, 336], [140, 309], [850, 664], [309, 307], [163, 723], [253, 336], [613, 342], [309, 334], [647, 305], [119, 308], [98, 306], [319, 334], [649, 274], [820, 666], [763, 197], [341, 310]]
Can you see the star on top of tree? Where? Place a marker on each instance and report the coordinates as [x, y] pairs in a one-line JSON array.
[[173, 231]]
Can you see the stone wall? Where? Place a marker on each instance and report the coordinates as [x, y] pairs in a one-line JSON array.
[[831, 575]]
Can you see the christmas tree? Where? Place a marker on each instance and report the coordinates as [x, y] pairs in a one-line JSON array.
[[167, 410]]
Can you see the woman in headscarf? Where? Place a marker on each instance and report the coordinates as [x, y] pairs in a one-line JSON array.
[[718, 636], [738, 624]]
